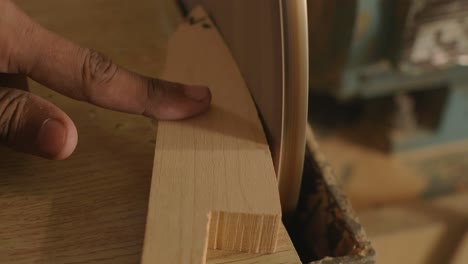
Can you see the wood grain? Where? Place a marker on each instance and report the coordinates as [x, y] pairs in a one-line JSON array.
[[213, 180], [268, 39], [252, 31], [91, 208], [285, 254]]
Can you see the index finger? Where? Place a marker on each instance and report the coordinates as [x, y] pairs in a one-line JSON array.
[[87, 75]]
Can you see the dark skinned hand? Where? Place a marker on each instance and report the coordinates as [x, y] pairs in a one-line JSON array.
[[30, 124]]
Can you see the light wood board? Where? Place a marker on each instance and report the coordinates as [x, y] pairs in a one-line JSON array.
[[268, 39], [213, 181], [252, 31]]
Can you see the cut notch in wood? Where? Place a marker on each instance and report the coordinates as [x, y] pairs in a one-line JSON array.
[[243, 232]]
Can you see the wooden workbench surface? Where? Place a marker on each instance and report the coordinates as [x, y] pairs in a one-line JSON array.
[[91, 208]]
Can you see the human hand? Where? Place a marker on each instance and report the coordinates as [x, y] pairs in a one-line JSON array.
[[30, 124]]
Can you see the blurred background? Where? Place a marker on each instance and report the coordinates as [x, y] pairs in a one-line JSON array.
[[389, 105]]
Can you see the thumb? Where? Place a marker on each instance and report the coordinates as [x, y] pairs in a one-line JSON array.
[[30, 124]]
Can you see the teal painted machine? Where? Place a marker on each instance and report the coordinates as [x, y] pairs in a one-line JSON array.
[[414, 51]]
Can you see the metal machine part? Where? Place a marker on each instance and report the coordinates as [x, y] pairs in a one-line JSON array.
[[269, 40]]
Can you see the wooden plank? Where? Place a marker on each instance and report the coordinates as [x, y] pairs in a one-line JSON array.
[[268, 39], [255, 43], [213, 179]]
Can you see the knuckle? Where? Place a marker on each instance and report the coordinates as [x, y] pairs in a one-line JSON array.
[[155, 92], [160, 96], [12, 109], [158, 92], [160, 89], [97, 71], [157, 89]]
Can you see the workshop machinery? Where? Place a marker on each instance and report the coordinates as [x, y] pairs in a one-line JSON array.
[[414, 51]]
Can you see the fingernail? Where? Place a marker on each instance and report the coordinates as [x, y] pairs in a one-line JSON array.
[[51, 138], [197, 93]]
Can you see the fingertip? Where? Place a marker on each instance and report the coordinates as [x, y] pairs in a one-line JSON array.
[[180, 102], [200, 97], [198, 93], [70, 141], [57, 138]]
